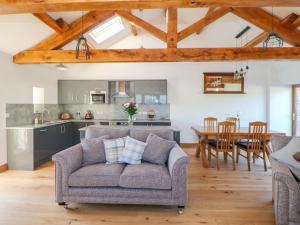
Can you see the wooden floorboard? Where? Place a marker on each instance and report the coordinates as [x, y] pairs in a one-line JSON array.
[[222, 197]]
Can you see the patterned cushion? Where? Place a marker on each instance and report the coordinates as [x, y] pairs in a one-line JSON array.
[[93, 151], [97, 175], [146, 175], [114, 149], [133, 151], [157, 149]]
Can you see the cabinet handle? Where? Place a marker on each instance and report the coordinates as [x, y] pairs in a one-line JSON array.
[[76, 98], [45, 130], [64, 129], [72, 97]]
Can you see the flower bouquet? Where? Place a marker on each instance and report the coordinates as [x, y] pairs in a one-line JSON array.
[[131, 108]]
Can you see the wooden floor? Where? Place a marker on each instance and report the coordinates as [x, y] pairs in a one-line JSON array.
[[222, 197]]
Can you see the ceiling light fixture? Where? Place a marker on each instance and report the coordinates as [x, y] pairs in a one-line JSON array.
[[273, 39], [239, 74], [82, 48], [61, 67]]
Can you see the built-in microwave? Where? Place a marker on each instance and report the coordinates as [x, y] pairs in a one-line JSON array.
[[98, 97]]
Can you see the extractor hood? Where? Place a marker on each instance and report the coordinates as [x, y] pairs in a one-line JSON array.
[[120, 89]]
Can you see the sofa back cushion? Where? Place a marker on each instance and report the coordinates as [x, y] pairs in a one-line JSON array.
[[142, 134], [93, 150], [112, 132], [157, 150]]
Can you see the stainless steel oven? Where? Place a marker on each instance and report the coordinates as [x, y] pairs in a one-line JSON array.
[[98, 97]]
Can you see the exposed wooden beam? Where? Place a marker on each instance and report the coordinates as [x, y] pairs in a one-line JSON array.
[[143, 24], [289, 20], [263, 19], [78, 27], [257, 40], [45, 18], [172, 28], [34, 6], [159, 55], [297, 22], [133, 30], [209, 11], [199, 25]]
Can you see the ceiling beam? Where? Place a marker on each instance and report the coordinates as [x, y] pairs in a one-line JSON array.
[[136, 21], [209, 11], [172, 27], [45, 18], [79, 26], [289, 21], [42, 6], [159, 55], [199, 25], [263, 20]]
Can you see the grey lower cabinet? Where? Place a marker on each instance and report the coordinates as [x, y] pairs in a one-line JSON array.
[[29, 148]]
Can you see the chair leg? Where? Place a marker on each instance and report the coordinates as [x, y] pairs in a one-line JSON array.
[[248, 160], [233, 161], [237, 155], [254, 158], [264, 158], [225, 156], [218, 165], [209, 153]]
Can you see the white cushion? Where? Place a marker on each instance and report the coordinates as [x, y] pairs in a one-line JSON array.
[[114, 149], [133, 151], [285, 156]]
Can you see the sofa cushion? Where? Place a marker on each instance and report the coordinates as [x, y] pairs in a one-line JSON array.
[[97, 175], [142, 134], [93, 150], [157, 150], [286, 156], [133, 151], [112, 132], [146, 175], [114, 149]]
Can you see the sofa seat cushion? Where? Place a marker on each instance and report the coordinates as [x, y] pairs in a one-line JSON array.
[[97, 175], [146, 175]]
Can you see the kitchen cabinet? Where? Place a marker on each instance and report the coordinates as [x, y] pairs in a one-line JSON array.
[[150, 92], [49, 140], [78, 91], [76, 126]]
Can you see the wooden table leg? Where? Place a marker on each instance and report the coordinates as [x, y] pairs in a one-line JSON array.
[[201, 148]]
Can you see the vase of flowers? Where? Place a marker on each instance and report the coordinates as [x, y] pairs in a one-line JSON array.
[[131, 108]]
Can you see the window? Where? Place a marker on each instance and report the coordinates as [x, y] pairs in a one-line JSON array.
[[107, 29], [38, 99]]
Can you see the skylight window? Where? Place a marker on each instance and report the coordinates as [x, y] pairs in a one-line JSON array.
[[107, 29]]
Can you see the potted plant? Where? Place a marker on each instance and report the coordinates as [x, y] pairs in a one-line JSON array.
[[131, 108]]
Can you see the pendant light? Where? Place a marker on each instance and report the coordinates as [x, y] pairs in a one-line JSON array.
[[82, 48], [273, 39], [61, 67]]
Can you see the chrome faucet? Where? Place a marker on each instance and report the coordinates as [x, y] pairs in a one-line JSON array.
[[43, 115]]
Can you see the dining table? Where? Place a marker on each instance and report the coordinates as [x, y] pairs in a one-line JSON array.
[[205, 133]]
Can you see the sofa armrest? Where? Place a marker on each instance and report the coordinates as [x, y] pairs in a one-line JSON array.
[[177, 165], [287, 194], [66, 162]]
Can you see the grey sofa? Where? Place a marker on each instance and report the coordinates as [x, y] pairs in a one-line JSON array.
[[286, 189], [146, 184]]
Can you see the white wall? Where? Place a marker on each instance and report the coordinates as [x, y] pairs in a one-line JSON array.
[[16, 83]]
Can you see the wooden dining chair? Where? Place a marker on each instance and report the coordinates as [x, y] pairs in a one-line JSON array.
[[224, 143], [210, 122], [235, 120], [256, 144]]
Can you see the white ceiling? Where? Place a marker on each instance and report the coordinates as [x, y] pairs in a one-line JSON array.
[[24, 30]]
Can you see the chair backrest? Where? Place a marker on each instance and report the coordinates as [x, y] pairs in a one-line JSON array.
[[257, 136], [210, 122], [225, 138], [235, 120]]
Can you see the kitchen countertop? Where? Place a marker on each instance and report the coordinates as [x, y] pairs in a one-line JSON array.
[[57, 122]]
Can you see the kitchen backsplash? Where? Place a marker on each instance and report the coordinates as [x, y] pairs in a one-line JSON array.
[[22, 114]]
